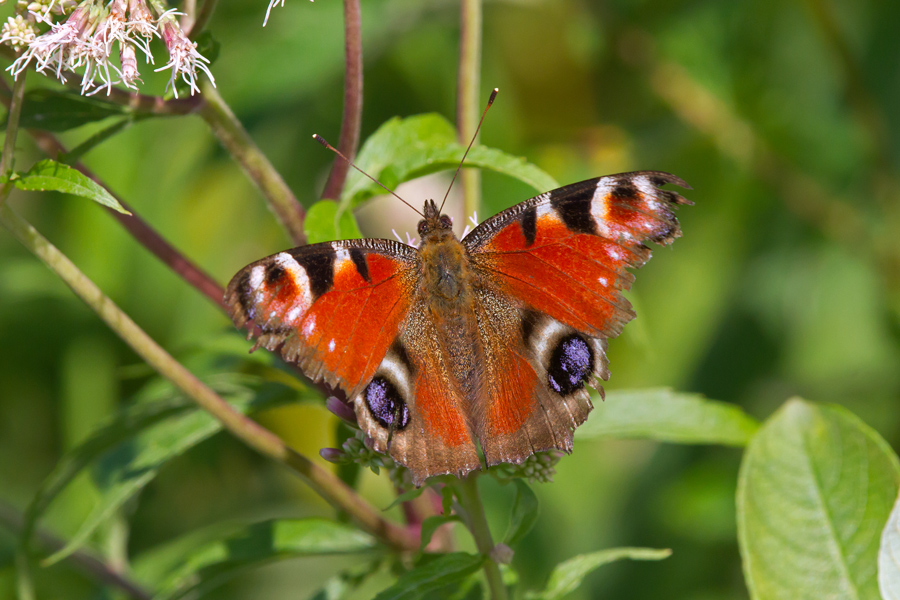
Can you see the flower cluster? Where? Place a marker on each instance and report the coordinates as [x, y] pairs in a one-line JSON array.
[[87, 38], [537, 468], [360, 449]]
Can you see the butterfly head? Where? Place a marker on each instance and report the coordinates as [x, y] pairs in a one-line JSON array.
[[434, 226]]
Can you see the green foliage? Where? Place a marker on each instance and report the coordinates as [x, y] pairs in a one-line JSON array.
[[403, 149], [51, 176], [327, 221], [434, 573], [59, 110], [668, 416], [569, 574], [815, 492], [212, 564], [889, 557], [524, 515]]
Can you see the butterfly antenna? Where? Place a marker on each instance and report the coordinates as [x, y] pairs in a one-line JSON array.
[[477, 129], [322, 141]]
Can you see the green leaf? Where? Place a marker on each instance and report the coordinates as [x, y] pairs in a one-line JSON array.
[[56, 110], [406, 496], [211, 564], [816, 487], [327, 221], [127, 453], [667, 416], [445, 570], [569, 574], [524, 514], [49, 175], [430, 525], [403, 149], [889, 557]]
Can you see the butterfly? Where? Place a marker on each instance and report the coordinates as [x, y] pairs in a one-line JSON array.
[[489, 341]]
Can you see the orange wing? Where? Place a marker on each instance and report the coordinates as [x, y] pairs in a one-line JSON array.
[[333, 308], [560, 261]]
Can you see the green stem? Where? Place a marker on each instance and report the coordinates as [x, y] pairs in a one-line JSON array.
[[467, 492], [12, 129], [250, 432], [237, 141], [468, 89], [351, 120]]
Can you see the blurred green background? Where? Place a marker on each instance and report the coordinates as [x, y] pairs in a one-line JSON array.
[[782, 116]]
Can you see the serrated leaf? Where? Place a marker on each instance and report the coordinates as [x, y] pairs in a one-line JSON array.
[[445, 570], [211, 564], [403, 149], [327, 221], [524, 514], [430, 525], [667, 416], [816, 487], [57, 110], [889, 557], [49, 175], [127, 453], [568, 575]]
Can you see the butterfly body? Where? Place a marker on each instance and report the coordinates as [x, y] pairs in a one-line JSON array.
[[486, 342]]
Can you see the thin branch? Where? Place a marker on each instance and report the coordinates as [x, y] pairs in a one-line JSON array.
[[142, 231], [82, 559], [468, 88], [250, 432], [202, 18], [351, 120], [473, 514], [237, 141], [12, 127]]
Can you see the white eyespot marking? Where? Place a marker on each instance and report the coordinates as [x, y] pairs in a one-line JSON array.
[[301, 303], [397, 373], [543, 209], [257, 274], [272, 314], [341, 255], [600, 207], [331, 345], [309, 325], [646, 186], [603, 281], [615, 253]]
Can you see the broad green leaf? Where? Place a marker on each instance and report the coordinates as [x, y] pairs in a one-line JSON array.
[[127, 453], [403, 149], [211, 564], [815, 490], [445, 570], [889, 557], [327, 221], [524, 514], [430, 525], [569, 574], [667, 416], [49, 175], [57, 110]]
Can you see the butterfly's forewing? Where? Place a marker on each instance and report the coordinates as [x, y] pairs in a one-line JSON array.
[[333, 308], [560, 259]]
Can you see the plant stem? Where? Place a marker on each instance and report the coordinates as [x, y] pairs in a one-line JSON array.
[[250, 432], [467, 492], [143, 232], [12, 128], [84, 560], [237, 141], [353, 100], [468, 88], [202, 18]]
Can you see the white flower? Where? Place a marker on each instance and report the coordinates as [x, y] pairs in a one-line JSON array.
[[272, 4], [17, 33], [183, 56]]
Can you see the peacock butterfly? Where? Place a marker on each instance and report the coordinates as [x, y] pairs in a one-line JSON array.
[[487, 340]]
